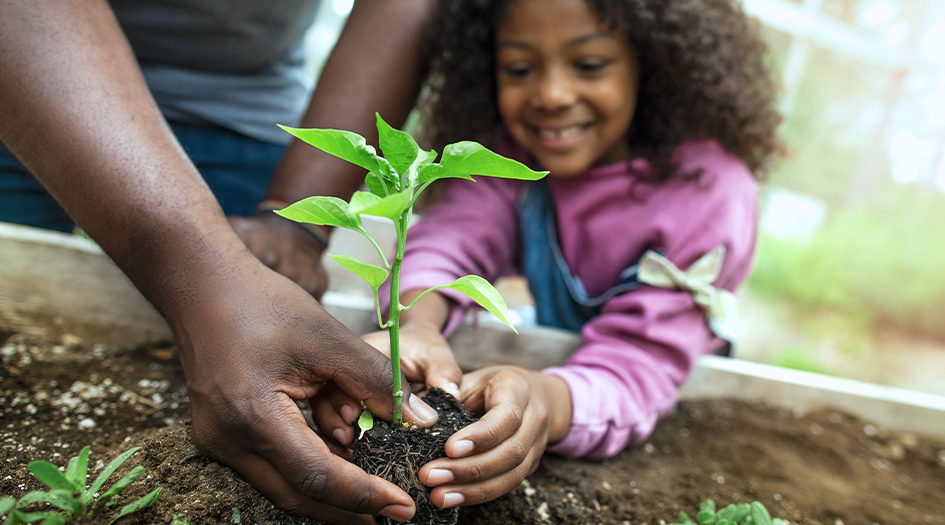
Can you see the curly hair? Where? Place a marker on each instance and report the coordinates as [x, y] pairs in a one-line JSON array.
[[703, 74]]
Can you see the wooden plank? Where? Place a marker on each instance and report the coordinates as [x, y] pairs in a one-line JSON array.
[[52, 283]]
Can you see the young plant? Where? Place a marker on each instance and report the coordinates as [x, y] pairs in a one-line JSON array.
[[393, 183], [753, 513], [68, 492]]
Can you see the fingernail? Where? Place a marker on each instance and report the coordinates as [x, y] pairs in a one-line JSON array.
[[349, 414], [452, 499], [463, 447], [438, 476], [453, 389], [340, 436], [422, 410], [397, 512]]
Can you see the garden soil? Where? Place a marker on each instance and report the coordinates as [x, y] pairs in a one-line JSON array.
[[822, 467]]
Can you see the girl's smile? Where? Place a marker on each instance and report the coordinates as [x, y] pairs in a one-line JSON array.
[[567, 84]]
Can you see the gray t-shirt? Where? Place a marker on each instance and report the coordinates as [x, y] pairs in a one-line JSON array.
[[238, 64]]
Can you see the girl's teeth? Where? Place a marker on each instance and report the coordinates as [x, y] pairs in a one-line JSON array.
[[561, 133]]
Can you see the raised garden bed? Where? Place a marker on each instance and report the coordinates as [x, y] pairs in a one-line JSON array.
[[881, 459]]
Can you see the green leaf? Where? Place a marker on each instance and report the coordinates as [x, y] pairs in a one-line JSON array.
[[760, 514], [49, 474], [17, 517], [741, 511], [705, 517], [144, 502], [471, 158], [374, 275], [122, 484], [364, 203], [379, 185], [6, 504], [365, 422], [322, 211], [236, 517], [481, 291], [399, 148], [109, 470], [77, 469], [727, 513], [58, 498], [342, 144], [53, 519]]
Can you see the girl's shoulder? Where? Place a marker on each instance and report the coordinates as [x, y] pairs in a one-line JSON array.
[[710, 166]]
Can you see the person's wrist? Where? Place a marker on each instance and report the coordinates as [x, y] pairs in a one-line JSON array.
[[558, 395]]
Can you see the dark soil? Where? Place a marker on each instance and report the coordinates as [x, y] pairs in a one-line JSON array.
[[823, 467], [397, 453]]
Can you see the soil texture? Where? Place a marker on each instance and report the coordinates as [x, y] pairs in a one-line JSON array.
[[397, 454], [818, 468]]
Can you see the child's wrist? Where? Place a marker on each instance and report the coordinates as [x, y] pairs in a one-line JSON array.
[[558, 395]]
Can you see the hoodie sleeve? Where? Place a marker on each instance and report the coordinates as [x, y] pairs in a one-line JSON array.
[[645, 342], [472, 230]]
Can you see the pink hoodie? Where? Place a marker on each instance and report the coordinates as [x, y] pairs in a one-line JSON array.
[[644, 344]]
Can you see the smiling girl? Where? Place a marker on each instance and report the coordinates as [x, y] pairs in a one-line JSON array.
[[653, 118]]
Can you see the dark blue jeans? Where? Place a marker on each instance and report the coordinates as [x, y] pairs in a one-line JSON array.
[[237, 169]]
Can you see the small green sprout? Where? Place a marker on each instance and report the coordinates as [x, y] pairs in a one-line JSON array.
[[753, 513], [69, 494], [365, 422], [393, 184]]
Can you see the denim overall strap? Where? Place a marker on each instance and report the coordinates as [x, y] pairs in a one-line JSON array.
[[560, 298]]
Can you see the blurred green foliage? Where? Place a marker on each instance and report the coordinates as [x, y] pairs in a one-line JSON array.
[[880, 264]]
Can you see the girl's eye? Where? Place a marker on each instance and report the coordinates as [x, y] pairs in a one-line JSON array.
[[590, 66], [517, 71]]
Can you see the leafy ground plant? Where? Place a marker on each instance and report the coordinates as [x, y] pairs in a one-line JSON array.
[[394, 183], [70, 496], [753, 513]]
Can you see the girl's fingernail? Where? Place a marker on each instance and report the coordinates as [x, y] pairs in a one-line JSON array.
[[453, 389], [339, 436], [461, 448], [452, 499], [397, 512], [438, 476], [422, 410], [348, 414]]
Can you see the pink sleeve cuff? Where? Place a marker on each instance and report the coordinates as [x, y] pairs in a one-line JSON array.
[[593, 398]]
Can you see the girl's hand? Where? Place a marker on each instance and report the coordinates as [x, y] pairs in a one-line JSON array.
[[425, 356], [524, 411]]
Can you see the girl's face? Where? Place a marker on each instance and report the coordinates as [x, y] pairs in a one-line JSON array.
[[567, 84]]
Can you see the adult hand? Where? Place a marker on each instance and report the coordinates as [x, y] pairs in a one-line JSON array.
[[524, 410], [253, 345], [425, 357], [286, 248]]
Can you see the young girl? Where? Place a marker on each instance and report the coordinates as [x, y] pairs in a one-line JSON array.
[[652, 117]]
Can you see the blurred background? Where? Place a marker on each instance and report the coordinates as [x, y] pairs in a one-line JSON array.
[[848, 279]]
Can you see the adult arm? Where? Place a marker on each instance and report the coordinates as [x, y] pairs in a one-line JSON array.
[[377, 66], [77, 114]]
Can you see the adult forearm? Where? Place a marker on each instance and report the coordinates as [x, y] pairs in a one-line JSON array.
[[78, 115], [377, 66]]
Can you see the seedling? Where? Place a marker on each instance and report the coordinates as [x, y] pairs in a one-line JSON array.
[[393, 185], [68, 492], [753, 513]]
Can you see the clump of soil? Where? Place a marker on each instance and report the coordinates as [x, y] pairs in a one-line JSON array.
[[396, 453], [818, 468]]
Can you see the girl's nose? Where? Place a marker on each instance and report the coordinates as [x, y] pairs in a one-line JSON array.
[[554, 90]]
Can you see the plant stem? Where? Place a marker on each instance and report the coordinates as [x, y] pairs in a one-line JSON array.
[[394, 317]]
